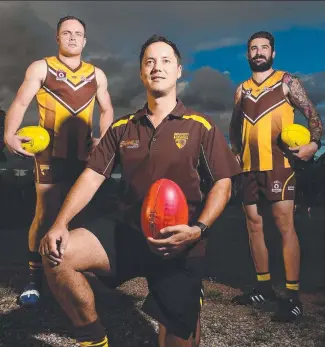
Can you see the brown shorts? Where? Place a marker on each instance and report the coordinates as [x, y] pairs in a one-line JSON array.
[[274, 185], [56, 170]]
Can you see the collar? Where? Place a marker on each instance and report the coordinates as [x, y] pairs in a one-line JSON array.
[[177, 112]]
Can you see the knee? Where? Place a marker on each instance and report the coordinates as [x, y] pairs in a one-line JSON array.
[[284, 222], [254, 224]]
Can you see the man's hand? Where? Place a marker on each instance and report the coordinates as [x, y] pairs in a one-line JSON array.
[[305, 152], [54, 243], [13, 144], [175, 240]]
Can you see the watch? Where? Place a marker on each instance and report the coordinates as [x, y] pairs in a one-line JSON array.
[[202, 226], [318, 142]]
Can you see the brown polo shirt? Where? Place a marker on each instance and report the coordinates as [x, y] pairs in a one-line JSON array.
[[187, 148]]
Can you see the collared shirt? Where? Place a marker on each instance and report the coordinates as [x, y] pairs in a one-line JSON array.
[[186, 147]]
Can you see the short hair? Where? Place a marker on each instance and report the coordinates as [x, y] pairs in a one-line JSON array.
[[261, 35], [156, 38], [63, 19]]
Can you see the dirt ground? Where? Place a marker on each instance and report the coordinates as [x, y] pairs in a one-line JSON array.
[[229, 270]]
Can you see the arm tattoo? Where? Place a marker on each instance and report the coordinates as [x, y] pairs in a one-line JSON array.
[[299, 99], [236, 124]]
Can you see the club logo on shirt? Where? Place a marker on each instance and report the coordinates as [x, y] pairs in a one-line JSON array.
[[130, 144], [61, 75], [276, 187], [181, 139], [247, 93]]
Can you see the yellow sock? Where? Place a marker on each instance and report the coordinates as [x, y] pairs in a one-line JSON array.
[[102, 343]]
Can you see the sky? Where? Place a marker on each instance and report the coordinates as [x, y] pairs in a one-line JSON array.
[[211, 36]]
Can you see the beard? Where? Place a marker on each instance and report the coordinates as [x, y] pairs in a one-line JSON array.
[[255, 67]]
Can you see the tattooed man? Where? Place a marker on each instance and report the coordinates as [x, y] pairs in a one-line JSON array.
[[264, 105]]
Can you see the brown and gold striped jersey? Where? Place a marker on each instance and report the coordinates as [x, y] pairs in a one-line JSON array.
[[66, 102], [265, 112]]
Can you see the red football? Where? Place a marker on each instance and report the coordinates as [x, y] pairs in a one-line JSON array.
[[164, 205]]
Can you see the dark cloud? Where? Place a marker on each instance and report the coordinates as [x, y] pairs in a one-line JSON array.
[[123, 25], [123, 79], [209, 90], [24, 39], [116, 30], [315, 86]]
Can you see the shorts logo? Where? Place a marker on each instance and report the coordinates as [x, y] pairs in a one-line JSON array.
[[130, 144], [291, 187], [276, 187], [61, 75], [44, 169], [181, 139]]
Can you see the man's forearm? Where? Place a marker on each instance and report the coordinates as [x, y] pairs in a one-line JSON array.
[[235, 130], [216, 201], [300, 100], [13, 119], [79, 196], [106, 119]]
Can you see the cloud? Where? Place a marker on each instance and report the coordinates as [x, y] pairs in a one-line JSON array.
[[123, 26], [116, 31], [314, 85], [222, 43], [210, 90]]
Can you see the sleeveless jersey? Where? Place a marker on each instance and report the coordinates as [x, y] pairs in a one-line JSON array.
[[265, 112], [66, 102]]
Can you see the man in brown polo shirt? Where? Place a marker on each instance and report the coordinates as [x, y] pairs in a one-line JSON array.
[[164, 139]]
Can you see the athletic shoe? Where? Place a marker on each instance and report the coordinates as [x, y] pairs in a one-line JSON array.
[[289, 310], [254, 297]]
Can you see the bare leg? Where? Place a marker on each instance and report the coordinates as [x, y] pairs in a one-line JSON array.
[[69, 285], [283, 215], [48, 202], [254, 222]]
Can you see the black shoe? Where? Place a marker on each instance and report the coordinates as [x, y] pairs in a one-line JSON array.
[[254, 297], [289, 310]]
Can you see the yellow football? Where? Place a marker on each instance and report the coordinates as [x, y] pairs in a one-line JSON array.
[[40, 138], [295, 135]]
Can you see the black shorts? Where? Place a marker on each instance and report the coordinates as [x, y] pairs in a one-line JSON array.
[[175, 285]]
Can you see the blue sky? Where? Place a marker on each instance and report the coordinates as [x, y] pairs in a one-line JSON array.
[[299, 49]]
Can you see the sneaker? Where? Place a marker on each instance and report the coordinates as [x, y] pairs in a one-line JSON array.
[[30, 295], [289, 310], [254, 297]]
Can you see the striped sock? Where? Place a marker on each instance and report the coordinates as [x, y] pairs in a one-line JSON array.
[[35, 268], [264, 283], [101, 343], [92, 335], [292, 289]]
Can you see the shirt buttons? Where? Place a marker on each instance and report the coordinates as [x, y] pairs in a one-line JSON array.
[[154, 139]]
